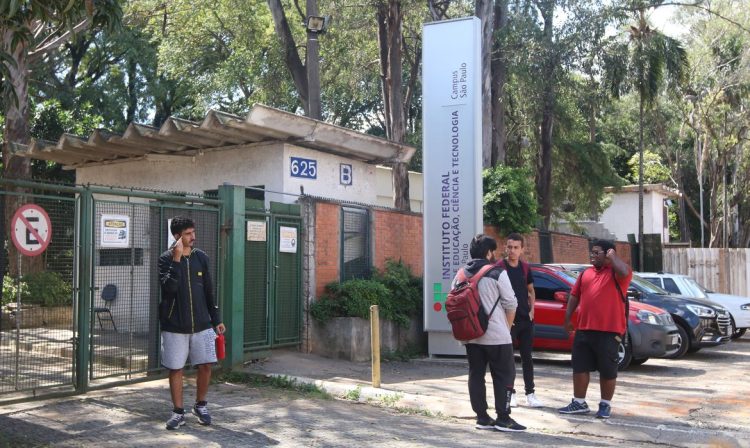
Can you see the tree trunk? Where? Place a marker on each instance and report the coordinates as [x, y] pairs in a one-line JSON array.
[[395, 112], [544, 174], [382, 18], [640, 184], [132, 90], [16, 130], [312, 66], [291, 56], [499, 67], [486, 13]]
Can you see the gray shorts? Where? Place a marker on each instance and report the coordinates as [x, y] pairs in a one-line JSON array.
[[175, 348]]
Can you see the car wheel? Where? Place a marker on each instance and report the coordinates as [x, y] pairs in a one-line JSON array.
[[737, 332], [683, 343], [637, 362], [625, 355]]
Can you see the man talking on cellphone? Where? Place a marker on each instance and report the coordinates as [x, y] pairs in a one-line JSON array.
[[189, 318]]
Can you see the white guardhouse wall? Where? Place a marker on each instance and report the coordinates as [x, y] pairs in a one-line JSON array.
[[248, 165], [268, 165], [336, 177], [384, 176], [621, 218]]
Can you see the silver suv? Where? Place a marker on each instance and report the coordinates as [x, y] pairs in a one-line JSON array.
[[738, 306]]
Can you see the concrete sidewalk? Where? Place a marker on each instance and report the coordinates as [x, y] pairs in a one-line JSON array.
[[439, 386]]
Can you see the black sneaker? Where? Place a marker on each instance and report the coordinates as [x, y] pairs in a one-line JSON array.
[[201, 411], [508, 425], [175, 421], [485, 423]]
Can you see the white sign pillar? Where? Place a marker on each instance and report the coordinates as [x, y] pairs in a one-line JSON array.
[[452, 162]]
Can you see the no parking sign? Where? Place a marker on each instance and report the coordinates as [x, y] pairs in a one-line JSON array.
[[31, 230]]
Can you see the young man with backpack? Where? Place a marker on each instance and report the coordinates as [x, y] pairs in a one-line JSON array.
[[494, 346], [523, 326], [602, 308]]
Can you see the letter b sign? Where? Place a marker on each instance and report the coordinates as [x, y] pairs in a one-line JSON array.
[[345, 174]]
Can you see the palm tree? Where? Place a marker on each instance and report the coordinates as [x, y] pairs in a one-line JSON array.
[[641, 65]]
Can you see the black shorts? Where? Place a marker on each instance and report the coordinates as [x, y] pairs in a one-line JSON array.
[[596, 350]]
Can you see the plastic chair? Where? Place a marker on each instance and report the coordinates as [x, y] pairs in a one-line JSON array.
[[109, 294]]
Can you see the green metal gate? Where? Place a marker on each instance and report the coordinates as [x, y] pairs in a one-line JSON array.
[[273, 271], [38, 330], [124, 332], [86, 308]]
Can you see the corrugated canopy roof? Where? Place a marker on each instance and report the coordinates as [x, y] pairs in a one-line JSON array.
[[218, 130]]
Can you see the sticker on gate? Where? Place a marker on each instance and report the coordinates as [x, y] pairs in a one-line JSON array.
[[31, 230]]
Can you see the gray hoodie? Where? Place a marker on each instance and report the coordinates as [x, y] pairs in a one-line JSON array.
[[495, 284]]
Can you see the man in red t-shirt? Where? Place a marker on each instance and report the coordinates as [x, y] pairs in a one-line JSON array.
[[601, 326]]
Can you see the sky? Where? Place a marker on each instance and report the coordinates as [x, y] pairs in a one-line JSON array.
[[662, 19]]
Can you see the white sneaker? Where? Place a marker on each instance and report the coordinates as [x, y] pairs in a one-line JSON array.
[[513, 402], [533, 402]]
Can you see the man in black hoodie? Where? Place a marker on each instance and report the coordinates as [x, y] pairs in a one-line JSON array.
[[188, 314]]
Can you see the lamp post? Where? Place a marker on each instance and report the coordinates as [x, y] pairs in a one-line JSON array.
[[315, 26]]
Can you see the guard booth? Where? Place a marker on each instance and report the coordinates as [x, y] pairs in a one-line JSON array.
[[250, 226]]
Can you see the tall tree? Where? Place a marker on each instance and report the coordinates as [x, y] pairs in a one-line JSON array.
[[390, 37], [642, 65], [30, 30]]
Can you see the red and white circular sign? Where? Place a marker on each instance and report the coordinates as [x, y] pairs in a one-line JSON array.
[[31, 230]]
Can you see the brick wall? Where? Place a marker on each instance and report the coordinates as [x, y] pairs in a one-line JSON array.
[[530, 244], [395, 235], [327, 244], [398, 236], [566, 248], [569, 248]]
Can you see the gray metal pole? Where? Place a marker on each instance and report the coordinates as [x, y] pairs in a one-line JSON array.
[[312, 66]]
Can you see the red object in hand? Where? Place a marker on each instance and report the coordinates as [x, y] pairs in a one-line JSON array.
[[220, 350]]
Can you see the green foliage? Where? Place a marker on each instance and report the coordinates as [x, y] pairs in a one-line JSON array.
[[509, 201], [396, 291], [47, 289], [654, 171], [276, 382], [10, 290]]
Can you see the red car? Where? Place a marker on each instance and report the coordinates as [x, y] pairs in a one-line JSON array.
[[651, 330]]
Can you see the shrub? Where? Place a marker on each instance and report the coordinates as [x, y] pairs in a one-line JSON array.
[[395, 290], [47, 289], [10, 290]]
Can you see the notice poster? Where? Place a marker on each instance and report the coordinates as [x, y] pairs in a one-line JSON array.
[[288, 239], [115, 231]]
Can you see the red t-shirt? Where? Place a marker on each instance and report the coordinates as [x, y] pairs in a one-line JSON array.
[[600, 305]]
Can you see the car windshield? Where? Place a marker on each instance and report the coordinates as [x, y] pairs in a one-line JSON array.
[[648, 286], [695, 285], [568, 275]]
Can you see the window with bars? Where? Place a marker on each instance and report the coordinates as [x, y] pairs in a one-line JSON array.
[[355, 243]]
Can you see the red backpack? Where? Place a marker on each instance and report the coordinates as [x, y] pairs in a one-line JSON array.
[[464, 306]]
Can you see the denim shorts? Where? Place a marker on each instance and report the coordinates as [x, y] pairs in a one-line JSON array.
[[177, 347]]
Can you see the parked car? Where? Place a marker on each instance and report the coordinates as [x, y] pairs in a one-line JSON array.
[[652, 332], [701, 323], [684, 285]]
